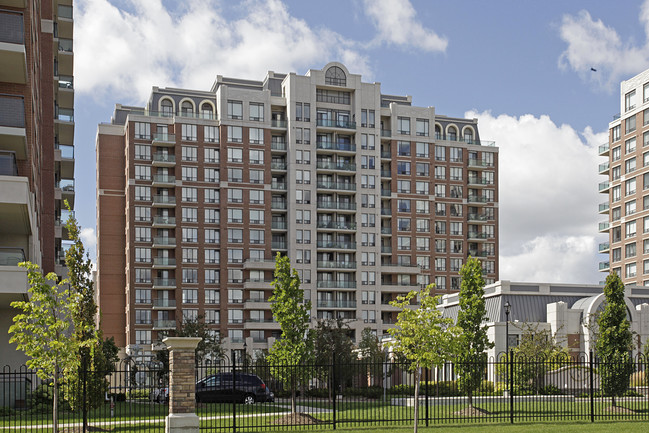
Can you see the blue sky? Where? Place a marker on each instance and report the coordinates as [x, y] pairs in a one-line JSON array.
[[521, 68]]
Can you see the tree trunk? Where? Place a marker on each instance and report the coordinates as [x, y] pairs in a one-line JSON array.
[[55, 410], [470, 395], [613, 402], [417, 376]]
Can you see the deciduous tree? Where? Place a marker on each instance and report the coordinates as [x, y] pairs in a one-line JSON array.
[[293, 315], [422, 336], [473, 343]]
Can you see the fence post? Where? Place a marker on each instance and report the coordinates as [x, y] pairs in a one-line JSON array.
[[84, 376], [426, 391], [511, 386], [592, 388], [182, 416], [333, 380], [234, 388]]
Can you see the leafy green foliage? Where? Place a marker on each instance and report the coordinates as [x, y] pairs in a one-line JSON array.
[[332, 343], [472, 318], [615, 340], [293, 314], [422, 336]]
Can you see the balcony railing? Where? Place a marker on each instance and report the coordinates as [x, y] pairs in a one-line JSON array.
[[604, 265], [164, 261], [11, 27], [278, 245], [278, 225], [330, 165], [66, 82], [277, 204], [335, 304], [167, 324], [67, 151], [164, 157], [10, 256], [65, 45], [164, 303], [164, 178], [8, 166], [336, 205], [326, 264], [278, 145], [164, 220], [278, 165], [278, 123], [166, 282], [330, 145], [330, 123], [345, 186], [164, 137], [603, 226], [386, 133], [336, 225], [603, 149], [64, 114], [336, 244], [12, 111], [336, 284], [164, 199], [604, 246], [66, 185], [162, 240], [278, 185]]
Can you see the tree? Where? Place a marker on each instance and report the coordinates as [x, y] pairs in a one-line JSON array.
[[615, 340], [537, 352], [208, 348], [44, 328], [332, 344], [472, 356], [97, 356], [293, 315], [371, 354], [422, 336]]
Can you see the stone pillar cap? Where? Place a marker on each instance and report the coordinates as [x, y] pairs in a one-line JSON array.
[[182, 342]]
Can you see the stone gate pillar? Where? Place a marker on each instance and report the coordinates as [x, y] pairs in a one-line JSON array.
[[182, 416]]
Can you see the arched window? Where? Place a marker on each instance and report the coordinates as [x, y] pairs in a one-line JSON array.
[[438, 132], [167, 108], [335, 76], [452, 133], [468, 135], [187, 109], [207, 112]]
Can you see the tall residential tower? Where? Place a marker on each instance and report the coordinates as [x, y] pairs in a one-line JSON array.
[[369, 196], [36, 145]]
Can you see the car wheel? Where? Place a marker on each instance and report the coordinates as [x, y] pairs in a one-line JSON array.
[[249, 399]]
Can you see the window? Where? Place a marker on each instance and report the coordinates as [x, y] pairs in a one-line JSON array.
[[142, 131], [143, 337], [422, 206], [235, 255], [456, 173], [423, 244], [235, 154], [213, 236], [403, 167], [143, 193], [615, 133], [189, 173], [456, 228], [211, 155], [629, 125], [456, 154], [403, 186], [421, 188], [143, 172], [422, 127], [440, 190], [188, 132], [616, 171], [630, 145], [143, 275], [423, 169], [189, 153], [235, 175], [190, 255], [256, 156], [440, 153], [142, 234], [256, 196], [368, 142], [256, 112], [212, 256], [142, 151], [190, 276], [256, 176], [235, 110], [422, 150], [335, 76], [190, 234], [235, 134], [257, 236], [142, 296], [629, 165], [629, 186], [403, 125], [403, 205], [616, 193], [630, 229], [629, 101], [630, 250], [211, 175], [629, 208], [235, 215], [403, 243], [212, 296], [440, 227], [256, 216], [616, 213], [403, 148], [440, 264], [190, 296], [630, 270], [256, 135]]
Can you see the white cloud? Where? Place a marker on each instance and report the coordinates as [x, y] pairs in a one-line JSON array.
[[89, 239], [548, 198], [396, 23], [593, 44], [121, 54]]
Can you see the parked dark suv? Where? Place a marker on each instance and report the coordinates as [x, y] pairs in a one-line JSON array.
[[248, 389]]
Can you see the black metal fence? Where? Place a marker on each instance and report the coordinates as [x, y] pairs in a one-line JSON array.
[[130, 397], [259, 396]]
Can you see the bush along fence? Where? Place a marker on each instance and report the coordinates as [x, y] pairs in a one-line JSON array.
[[257, 396]]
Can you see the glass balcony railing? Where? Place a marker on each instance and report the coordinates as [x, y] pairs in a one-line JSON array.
[[339, 165], [67, 151], [8, 166], [65, 11], [12, 111], [167, 282], [344, 186], [335, 304], [336, 205], [604, 207], [164, 178], [326, 264], [165, 220], [164, 199], [162, 240], [603, 149], [11, 27], [167, 324], [66, 185], [604, 265], [603, 186], [339, 123], [336, 244], [330, 145], [278, 165], [164, 261], [336, 284], [65, 114], [164, 303], [164, 137], [278, 144], [275, 123], [66, 82], [337, 225], [164, 157], [603, 226], [604, 246], [10, 256], [65, 45]]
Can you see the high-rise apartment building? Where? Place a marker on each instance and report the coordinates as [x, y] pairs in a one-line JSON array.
[[369, 196], [36, 145]]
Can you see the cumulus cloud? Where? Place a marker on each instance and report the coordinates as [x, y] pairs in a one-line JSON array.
[[123, 53], [89, 239], [548, 198], [591, 43], [396, 23]]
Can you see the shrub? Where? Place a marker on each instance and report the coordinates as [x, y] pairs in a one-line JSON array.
[[550, 390], [6, 411], [138, 394], [117, 396], [638, 379], [369, 392], [317, 392]]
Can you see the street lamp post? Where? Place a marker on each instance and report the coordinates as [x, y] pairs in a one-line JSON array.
[[508, 308]]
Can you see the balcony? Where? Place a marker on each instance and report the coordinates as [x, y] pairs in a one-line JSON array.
[[335, 166], [603, 149], [604, 247], [326, 264], [342, 186], [64, 155], [252, 283], [164, 304], [478, 218], [335, 304], [480, 181], [8, 166], [604, 186], [478, 199], [339, 205], [477, 236], [278, 225], [164, 262], [263, 264], [604, 266], [164, 139], [396, 268], [480, 163], [278, 205], [604, 207], [278, 145], [603, 227], [164, 221], [164, 283], [334, 225], [13, 279], [164, 242], [386, 173], [339, 245], [336, 284], [330, 123], [279, 186], [13, 135], [279, 245], [164, 324], [603, 168], [17, 214], [386, 133], [163, 180], [13, 60], [164, 201], [331, 145], [278, 123], [278, 165], [163, 160]]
